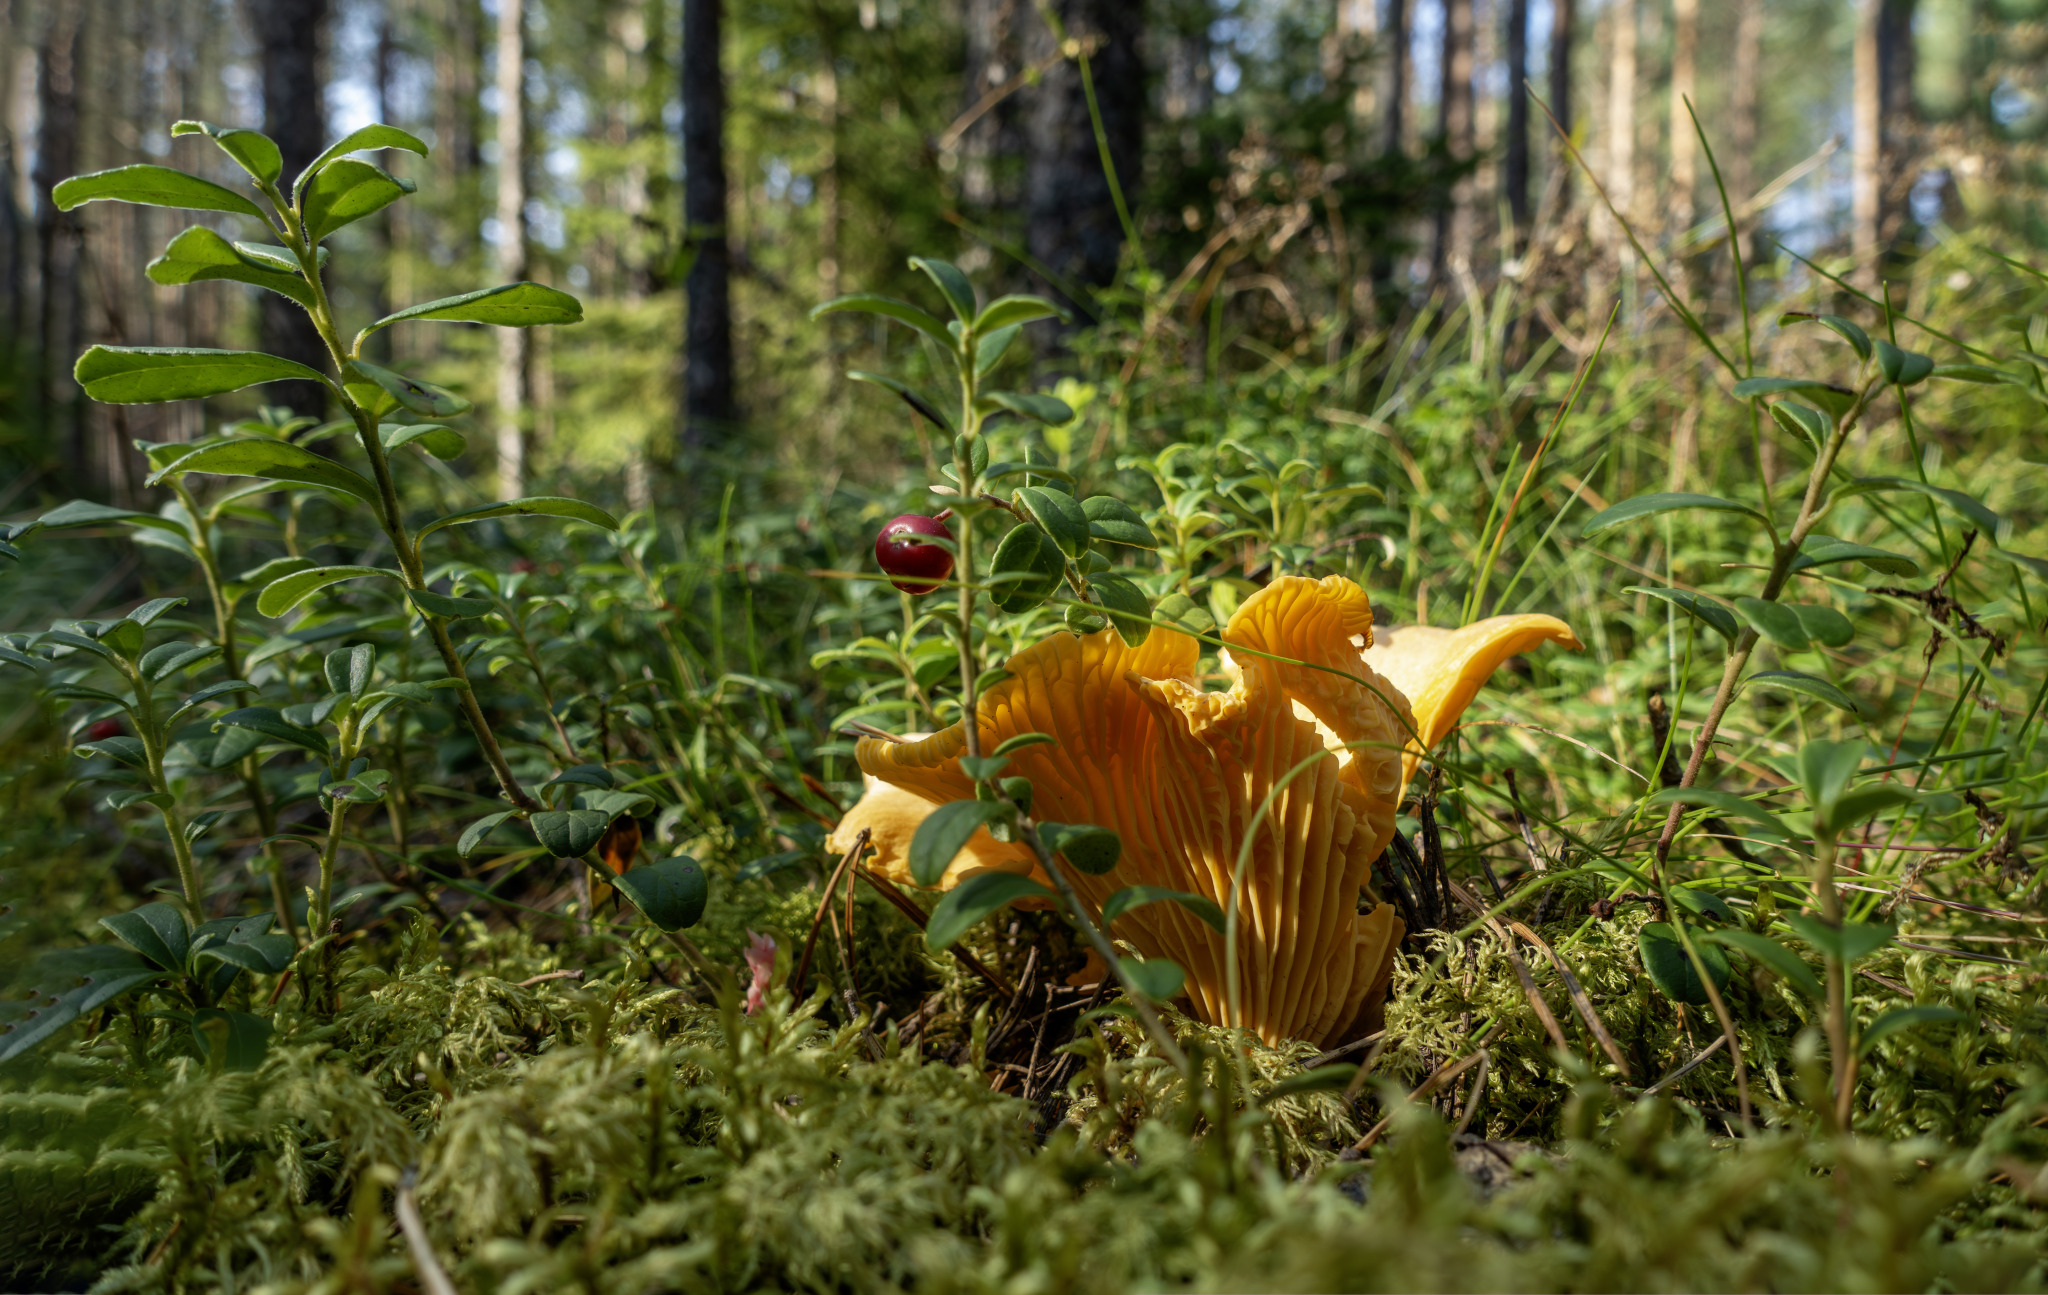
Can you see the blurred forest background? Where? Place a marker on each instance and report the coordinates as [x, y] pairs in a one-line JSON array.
[[1300, 173]]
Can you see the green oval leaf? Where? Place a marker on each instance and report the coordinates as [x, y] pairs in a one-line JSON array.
[[968, 903], [1050, 410], [953, 285], [200, 255], [509, 305], [1901, 367], [925, 406], [107, 973], [1664, 958], [1093, 850], [444, 443], [157, 931], [671, 894], [1995, 527], [1851, 942], [1823, 625], [1836, 400], [345, 191], [1022, 740], [889, 308], [1707, 611], [423, 398], [1806, 686], [267, 722], [1848, 329], [1130, 612], [1130, 897], [1774, 955], [570, 833], [1822, 550], [1059, 515], [135, 375], [1158, 979], [254, 151], [376, 136], [280, 596], [151, 186], [449, 606], [944, 833], [1010, 311], [473, 835], [1115, 521], [1629, 510], [1725, 802], [1809, 424], [1025, 569], [258, 456], [1978, 373], [532, 506], [1775, 622]]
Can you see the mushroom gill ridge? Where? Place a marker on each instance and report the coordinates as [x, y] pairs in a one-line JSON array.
[[1179, 774]]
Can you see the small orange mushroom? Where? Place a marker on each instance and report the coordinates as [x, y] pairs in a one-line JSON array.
[[1180, 774]]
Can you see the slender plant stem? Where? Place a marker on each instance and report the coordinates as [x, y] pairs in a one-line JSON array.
[[1161, 1036]]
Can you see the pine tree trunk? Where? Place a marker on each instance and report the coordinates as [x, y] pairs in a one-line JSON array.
[[1454, 128], [1515, 147], [1394, 110], [1898, 118], [514, 351], [1865, 172], [287, 36], [58, 240], [1621, 109], [1074, 231], [708, 405], [1562, 30], [1685, 40]]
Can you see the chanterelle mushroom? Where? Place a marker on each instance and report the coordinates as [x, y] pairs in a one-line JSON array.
[[1179, 773]]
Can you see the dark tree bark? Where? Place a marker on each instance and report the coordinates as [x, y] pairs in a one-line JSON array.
[[1454, 128], [1561, 24], [58, 243], [709, 409], [1515, 168], [287, 36], [1394, 108], [1898, 117], [1074, 232]]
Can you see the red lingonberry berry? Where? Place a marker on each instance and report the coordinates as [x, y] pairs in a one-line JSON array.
[[913, 567], [103, 730]]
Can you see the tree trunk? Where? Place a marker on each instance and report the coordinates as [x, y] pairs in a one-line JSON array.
[[709, 409], [1454, 128], [58, 241], [1561, 33], [1898, 118], [1621, 110], [287, 36], [1394, 114], [1074, 231], [1738, 169], [1515, 147], [514, 346], [1356, 28], [1685, 40], [1865, 175]]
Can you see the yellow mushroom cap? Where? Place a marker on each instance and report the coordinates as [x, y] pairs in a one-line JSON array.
[[1180, 773], [891, 815], [1440, 670]]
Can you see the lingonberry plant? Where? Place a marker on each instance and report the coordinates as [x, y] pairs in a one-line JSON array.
[[384, 412], [1057, 546]]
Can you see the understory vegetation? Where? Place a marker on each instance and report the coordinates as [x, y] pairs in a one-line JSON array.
[[385, 885]]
